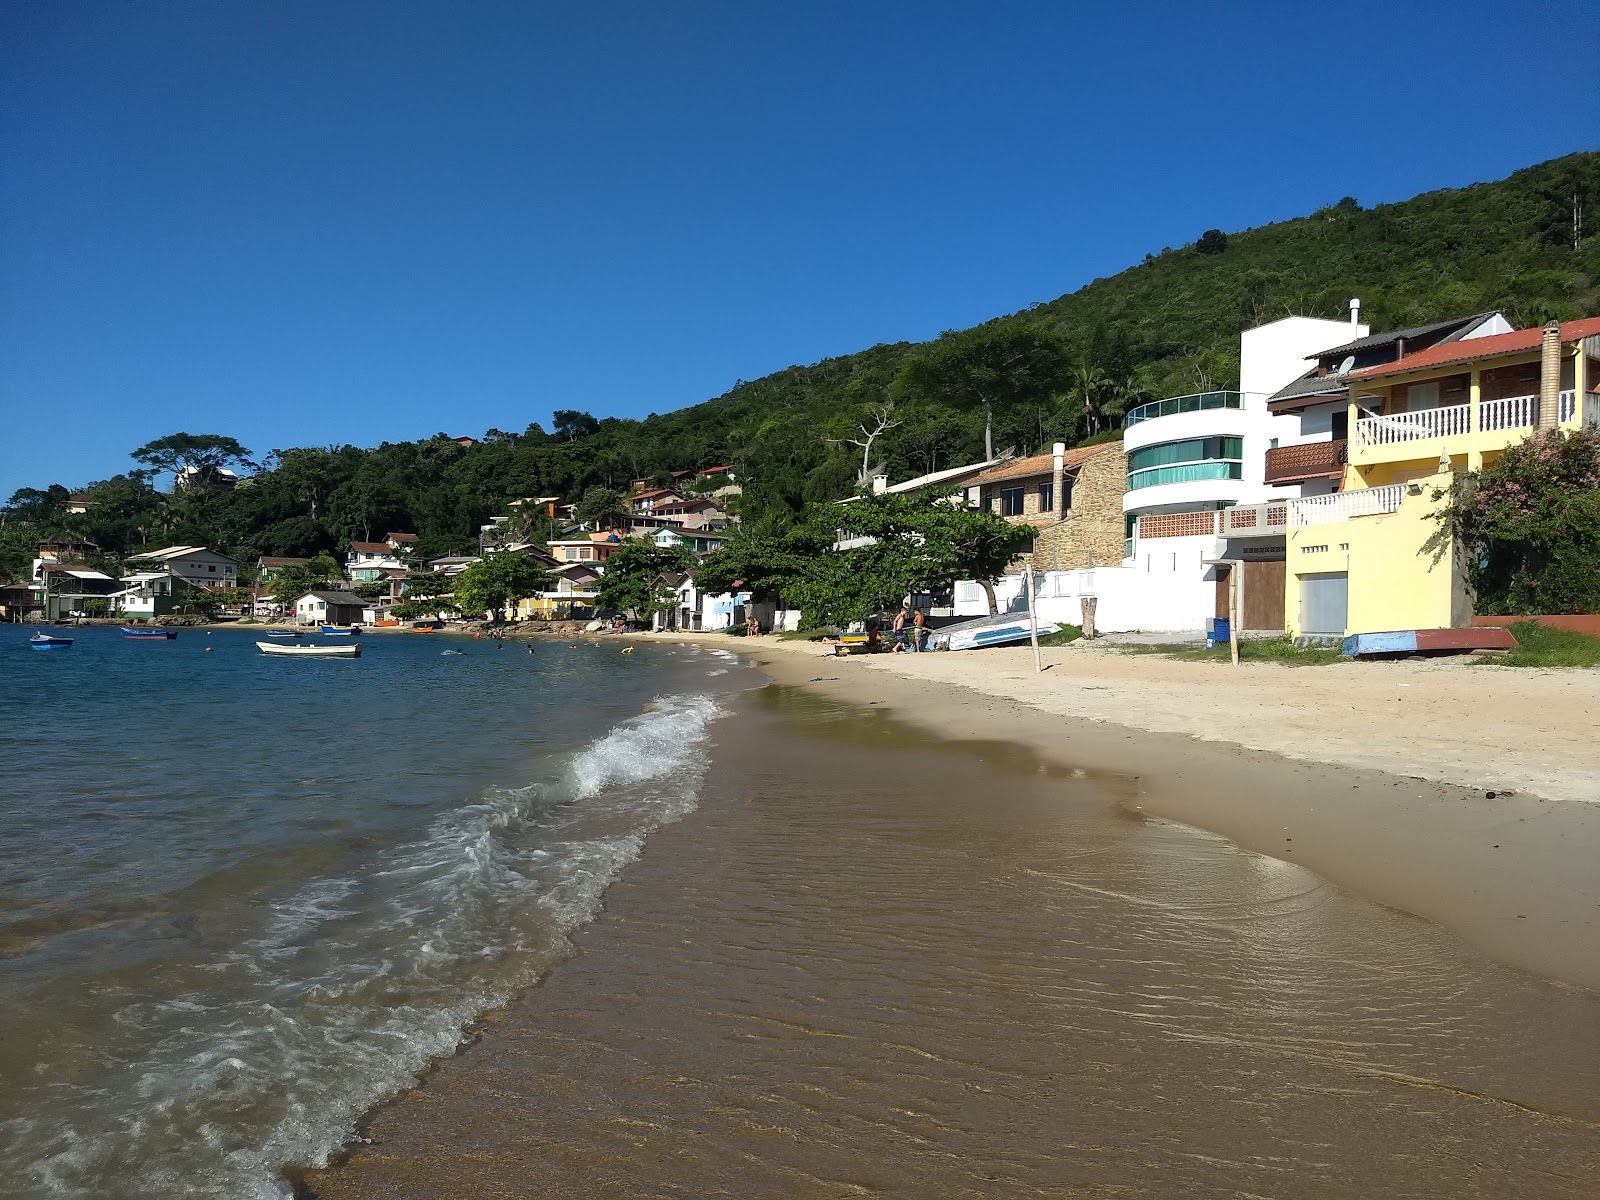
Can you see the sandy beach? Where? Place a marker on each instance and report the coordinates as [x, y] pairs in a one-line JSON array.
[[942, 951], [1377, 776]]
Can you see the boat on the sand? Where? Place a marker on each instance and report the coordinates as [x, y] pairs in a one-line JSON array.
[[310, 650]]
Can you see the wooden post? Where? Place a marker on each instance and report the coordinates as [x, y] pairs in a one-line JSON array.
[[1233, 611], [1033, 622]]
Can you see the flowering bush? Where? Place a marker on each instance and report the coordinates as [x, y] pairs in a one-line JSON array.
[[1530, 524]]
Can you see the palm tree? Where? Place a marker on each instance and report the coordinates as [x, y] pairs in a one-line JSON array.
[[1088, 385]]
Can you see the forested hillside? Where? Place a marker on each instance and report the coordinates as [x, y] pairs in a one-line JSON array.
[[1064, 370]]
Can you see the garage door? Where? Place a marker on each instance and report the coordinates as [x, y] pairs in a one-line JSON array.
[[1324, 603]]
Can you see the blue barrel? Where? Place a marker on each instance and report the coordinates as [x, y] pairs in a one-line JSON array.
[[1217, 631]]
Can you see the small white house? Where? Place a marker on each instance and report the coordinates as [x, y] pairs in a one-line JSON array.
[[330, 608]]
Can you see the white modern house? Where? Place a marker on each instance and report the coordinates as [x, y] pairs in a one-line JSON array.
[[193, 564], [367, 562]]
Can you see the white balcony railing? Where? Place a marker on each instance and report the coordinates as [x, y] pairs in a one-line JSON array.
[[1508, 412], [1413, 426], [1342, 506]]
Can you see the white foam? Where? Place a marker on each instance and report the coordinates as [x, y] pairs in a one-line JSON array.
[[355, 983]]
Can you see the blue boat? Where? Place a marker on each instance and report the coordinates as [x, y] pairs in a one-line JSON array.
[[43, 641], [150, 635], [338, 631], [283, 633]]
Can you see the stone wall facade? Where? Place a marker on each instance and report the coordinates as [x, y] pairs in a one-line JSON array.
[[1091, 532]]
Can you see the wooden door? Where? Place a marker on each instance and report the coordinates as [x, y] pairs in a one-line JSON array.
[[1222, 591], [1263, 595]]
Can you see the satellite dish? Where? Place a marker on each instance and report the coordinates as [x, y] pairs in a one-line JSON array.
[[1344, 367]]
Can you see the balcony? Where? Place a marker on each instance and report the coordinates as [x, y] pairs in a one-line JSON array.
[[1309, 460], [1505, 414], [1344, 506], [1241, 520], [1198, 402]]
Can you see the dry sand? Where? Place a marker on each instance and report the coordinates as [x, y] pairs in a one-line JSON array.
[[1374, 775]]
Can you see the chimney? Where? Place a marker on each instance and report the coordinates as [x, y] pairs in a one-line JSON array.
[[1550, 377], [880, 484], [1057, 474], [1355, 311]]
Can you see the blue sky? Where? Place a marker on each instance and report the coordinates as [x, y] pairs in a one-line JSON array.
[[312, 223]]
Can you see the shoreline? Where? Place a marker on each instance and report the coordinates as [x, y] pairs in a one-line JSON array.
[[758, 1009], [1513, 876]]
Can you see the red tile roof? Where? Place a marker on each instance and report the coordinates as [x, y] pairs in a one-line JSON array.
[[401, 537], [1518, 341], [370, 547], [1043, 464]]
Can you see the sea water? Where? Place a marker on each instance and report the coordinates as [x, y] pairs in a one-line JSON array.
[[243, 898]]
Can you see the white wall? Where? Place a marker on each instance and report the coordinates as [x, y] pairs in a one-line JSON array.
[[1167, 588], [1274, 355]]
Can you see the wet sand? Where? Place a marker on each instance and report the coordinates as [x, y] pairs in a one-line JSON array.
[[880, 962], [1514, 874]]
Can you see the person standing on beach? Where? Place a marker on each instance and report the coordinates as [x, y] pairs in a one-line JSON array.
[[899, 627], [918, 630]]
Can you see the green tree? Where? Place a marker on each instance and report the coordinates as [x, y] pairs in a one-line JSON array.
[[497, 580], [1529, 524], [632, 579], [197, 459], [570, 424], [761, 563], [291, 582], [980, 544], [989, 367], [599, 508], [1212, 241]]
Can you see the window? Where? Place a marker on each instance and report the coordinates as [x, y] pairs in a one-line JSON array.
[[1047, 493], [212, 568], [1186, 461], [1011, 502]]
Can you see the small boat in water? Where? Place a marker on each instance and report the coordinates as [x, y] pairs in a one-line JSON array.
[[283, 633], [311, 650], [43, 641], [150, 635], [338, 631]]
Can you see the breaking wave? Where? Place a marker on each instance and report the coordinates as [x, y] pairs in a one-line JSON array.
[[266, 1052]]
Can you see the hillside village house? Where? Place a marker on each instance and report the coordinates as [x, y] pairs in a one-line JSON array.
[[269, 565], [146, 595], [192, 564], [73, 588], [572, 597], [700, 541], [594, 548], [1073, 498], [1311, 425], [1368, 559], [450, 564], [645, 503], [368, 562]]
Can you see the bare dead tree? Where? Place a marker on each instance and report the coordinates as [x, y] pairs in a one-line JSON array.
[[882, 419]]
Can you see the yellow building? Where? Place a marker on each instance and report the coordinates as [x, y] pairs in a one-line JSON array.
[[1371, 557]]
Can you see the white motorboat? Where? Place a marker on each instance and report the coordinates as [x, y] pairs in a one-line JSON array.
[[310, 650]]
